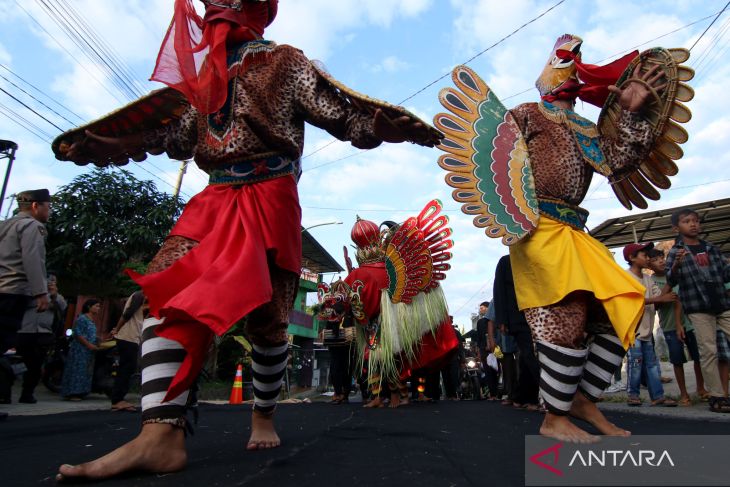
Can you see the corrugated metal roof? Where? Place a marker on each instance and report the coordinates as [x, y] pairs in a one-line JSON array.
[[654, 226], [315, 257]]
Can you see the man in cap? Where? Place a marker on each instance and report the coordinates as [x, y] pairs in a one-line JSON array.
[[22, 271], [239, 240]]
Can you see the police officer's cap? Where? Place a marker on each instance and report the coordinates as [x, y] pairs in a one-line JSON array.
[[34, 195]]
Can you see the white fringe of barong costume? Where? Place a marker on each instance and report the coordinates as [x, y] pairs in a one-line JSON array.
[[402, 329]]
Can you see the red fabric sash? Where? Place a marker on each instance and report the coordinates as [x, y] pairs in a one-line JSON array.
[[595, 79], [227, 275], [193, 58]]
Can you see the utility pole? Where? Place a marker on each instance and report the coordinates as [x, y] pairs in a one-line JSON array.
[[7, 150], [180, 174]]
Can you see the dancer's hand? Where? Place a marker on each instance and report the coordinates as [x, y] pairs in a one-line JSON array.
[[403, 129], [635, 93], [99, 149]]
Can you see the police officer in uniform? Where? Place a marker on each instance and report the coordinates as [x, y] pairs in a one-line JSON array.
[[22, 272]]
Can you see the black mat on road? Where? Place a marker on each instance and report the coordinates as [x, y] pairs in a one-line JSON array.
[[443, 444]]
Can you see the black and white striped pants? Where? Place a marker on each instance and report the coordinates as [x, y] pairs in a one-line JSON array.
[[162, 358]]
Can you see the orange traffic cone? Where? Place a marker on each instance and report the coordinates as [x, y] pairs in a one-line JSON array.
[[237, 390]]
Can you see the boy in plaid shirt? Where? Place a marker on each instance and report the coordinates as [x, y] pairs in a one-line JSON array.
[[699, 270]]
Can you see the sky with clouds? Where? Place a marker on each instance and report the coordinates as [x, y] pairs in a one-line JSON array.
[[389, 49]]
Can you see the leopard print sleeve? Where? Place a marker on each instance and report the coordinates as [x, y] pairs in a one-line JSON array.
[[631, 146], [322, 106], [177, 139]]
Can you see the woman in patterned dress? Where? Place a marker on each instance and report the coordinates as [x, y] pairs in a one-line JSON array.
[[79, 368]]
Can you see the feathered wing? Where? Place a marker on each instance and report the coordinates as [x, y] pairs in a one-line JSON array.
[[665, 114], [367, 104], [150, 112], [417, 254], [487, 159]]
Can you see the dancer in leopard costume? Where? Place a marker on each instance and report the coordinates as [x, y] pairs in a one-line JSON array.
[[235, 252], [523, 172]]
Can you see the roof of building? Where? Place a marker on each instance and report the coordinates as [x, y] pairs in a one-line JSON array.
[[654, 226], [315, 258]]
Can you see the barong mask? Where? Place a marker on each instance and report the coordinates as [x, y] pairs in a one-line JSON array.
[[334, 301]]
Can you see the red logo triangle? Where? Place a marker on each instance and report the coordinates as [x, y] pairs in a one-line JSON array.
[[556, 455]]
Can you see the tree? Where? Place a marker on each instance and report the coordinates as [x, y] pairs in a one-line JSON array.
[[101, 222]]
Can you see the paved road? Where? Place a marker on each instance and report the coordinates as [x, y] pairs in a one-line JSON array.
[[443, 444]]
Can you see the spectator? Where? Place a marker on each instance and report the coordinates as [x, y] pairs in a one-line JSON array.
[[642, 359], [450, 372], [22, 272], [78, 372], [36, 336], [699, 270], [678, 332], [508, 363], [128, 333], [492, 341], [507, 313], [339, 339]]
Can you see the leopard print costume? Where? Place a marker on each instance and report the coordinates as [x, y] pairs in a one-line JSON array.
[[271, 101], [561, 173], [559, 170], [577, 346], [569, 322]]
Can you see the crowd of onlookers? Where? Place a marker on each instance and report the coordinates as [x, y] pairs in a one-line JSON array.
[[687, 284]]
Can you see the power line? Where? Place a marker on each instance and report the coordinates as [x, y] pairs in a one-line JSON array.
[[105, 47], [708, 27], [13, 116], [715, 38], [503, 99], [468, 301], [671, 189], [38, 90], [447, 74], [36, 99], [85, 46], [93, 76], [29, 108]]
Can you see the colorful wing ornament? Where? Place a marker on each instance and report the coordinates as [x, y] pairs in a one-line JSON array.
[[665, 114], [487, 159], [417, 254]]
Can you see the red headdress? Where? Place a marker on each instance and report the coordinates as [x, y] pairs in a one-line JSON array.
[[192, 57], [369, 241]]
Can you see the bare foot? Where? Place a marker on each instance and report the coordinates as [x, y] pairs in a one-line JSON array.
[[560, 428], [375, 403], [394, 400], [263, 434], [585, 409], [159, 448], [123, 406]]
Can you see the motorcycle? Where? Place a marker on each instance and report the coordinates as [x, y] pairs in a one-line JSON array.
[[52, 368], [470, 383]]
